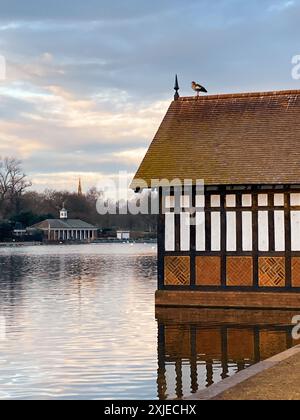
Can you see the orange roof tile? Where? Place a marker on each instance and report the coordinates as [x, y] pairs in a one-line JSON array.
[[232, 139]]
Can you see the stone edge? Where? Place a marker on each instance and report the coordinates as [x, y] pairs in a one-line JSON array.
[[229, 383]]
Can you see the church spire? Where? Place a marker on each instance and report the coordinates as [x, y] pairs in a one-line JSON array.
[[79, 187]]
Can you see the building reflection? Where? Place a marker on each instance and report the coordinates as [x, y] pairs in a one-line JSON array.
[[193, 354]]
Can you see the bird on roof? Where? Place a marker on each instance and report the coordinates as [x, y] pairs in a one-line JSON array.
[[198, 88]]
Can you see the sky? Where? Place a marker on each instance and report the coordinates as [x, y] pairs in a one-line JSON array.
[[88, 82]]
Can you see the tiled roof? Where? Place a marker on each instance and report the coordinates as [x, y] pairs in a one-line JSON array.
[[247, 138], [63, 224]]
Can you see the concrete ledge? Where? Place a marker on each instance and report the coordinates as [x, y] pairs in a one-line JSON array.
[[228, 299], [235, 385]]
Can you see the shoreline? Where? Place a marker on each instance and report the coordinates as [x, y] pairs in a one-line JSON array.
[[19, 244], [98, 242]]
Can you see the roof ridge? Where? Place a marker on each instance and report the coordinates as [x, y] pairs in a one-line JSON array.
[[241, 95]]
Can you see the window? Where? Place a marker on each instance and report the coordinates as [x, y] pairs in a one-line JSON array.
[[263, 231], [215, 201], [262, 200], [278, 200], [215, 231], [231, 231], [230, 200], [295, 230], [246, 200], [200, 231], [295, 199], [170, 232], [247, 231]]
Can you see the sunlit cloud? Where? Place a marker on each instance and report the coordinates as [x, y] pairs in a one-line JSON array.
[[131, 156], [53, 108], [15, 143], [20, 147]]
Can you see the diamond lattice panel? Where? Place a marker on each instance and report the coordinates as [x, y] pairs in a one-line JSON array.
[[296, 271], [177, 271], [272, 272]]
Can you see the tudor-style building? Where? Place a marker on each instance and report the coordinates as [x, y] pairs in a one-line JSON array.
[[244, 249]]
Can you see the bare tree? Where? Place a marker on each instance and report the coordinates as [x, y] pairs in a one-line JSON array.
[[13, 183]]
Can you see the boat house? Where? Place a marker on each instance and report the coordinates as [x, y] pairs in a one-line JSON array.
[[65, 229], [227, 168]]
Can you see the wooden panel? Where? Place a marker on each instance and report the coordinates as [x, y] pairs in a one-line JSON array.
[[240, 344], [211, 316], [296, 271], [208, 271], [177, 271], [228, 299], [272, 272], [239, 271], [272, 343], [209, 344]]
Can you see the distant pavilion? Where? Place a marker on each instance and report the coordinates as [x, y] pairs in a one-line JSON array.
[[64, 229]]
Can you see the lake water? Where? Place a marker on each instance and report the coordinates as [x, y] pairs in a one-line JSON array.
[[78, 322]]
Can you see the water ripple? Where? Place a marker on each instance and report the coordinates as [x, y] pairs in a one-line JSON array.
[[79, 322]]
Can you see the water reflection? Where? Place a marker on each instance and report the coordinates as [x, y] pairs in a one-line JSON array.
[[78, 322], [193, 355]]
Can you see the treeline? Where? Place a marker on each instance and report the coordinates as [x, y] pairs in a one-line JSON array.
[[39, 206], [20, 206]]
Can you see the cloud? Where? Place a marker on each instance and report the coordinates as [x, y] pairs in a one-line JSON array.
[[281, 6], [131, 157], [75, 10], [87, 86]]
